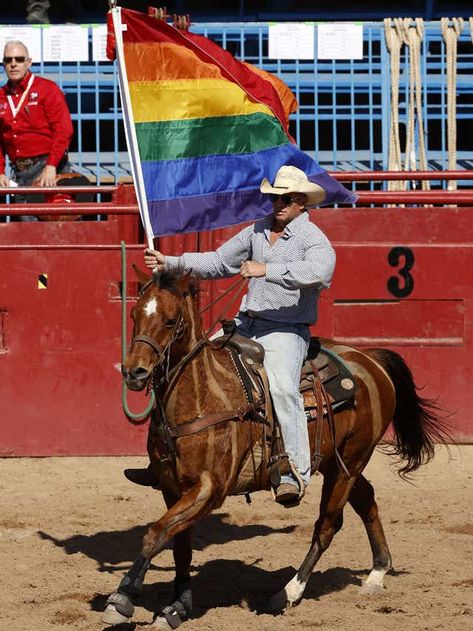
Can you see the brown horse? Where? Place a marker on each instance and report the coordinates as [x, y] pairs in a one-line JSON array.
[[199, 467]]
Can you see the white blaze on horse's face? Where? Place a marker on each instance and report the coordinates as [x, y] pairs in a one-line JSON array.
[[151, 307]]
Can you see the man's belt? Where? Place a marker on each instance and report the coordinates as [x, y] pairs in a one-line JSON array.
[[253, 314], [22, 164]]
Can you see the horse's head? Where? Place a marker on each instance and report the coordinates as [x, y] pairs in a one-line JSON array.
[[160, 321]]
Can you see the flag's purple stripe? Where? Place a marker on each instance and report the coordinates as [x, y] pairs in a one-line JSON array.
[[207, 212], [336, 192], [218, 210]]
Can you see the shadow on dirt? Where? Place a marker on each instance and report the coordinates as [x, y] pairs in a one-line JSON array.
[[115, 550], [226, 583], [217, 583]]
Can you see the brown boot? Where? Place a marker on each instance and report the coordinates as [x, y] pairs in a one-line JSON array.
[[287, 494]]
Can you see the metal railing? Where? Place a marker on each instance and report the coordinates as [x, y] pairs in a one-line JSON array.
[[126, 204]]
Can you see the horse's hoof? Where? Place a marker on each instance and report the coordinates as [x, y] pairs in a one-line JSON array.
[[369, 589], [112, 616], [119, 609], [374, 584], [278, 603], [169, 618]]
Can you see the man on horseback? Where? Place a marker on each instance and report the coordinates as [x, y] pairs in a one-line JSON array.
[[288, 261]]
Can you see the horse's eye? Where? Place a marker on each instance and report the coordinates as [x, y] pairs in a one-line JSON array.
[[170, 323]]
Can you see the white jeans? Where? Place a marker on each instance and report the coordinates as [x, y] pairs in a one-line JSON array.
[[285, 347]]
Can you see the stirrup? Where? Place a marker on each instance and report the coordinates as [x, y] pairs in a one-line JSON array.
[[299, 480]]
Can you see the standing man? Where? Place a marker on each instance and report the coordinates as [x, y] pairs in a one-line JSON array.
[[288, 261], [35, 124]]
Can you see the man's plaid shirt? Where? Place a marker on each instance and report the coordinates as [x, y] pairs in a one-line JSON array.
[[298, 266]]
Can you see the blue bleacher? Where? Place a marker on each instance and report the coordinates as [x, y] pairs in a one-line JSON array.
[[344, 113]]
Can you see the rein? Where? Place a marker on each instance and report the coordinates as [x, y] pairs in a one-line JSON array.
[[173, 374], [169, 375], [141, 417], [236, 286]]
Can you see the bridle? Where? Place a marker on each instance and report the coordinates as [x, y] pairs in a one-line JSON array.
[[170, 375], [148, 340], [163, 353]]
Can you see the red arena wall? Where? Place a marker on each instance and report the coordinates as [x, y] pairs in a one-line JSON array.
[[403, 281]]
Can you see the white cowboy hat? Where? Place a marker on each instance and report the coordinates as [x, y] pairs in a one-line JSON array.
[[290, 179]]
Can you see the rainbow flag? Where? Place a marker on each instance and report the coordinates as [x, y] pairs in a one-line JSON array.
[[203, 129]]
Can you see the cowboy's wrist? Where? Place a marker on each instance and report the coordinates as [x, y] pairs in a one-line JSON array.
[[261, 269], [274, 271], [173, 263]]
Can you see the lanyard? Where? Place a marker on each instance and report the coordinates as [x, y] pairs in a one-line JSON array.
[[16, 109]]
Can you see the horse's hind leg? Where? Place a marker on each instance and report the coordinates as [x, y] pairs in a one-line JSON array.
[[177, 521], [335, 492], [363, 502]]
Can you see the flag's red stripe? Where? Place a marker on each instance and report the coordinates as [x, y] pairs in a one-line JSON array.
[[141, 28]]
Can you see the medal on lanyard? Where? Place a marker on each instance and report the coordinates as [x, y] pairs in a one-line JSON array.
[[15, 110]]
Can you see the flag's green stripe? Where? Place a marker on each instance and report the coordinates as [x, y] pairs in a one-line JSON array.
[[170, 140]]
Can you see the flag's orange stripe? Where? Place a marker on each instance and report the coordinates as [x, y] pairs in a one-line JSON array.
[[163, 61]]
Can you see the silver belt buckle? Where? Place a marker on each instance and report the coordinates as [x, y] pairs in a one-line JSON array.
[[23, 164]]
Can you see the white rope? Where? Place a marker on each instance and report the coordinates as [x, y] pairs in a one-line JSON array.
[[410, 155], [393, 35], [415, 36], [451, 33], [399, 32]]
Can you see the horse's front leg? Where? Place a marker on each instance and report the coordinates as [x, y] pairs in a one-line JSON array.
[[180, 607], [178, 522], [335, 491]]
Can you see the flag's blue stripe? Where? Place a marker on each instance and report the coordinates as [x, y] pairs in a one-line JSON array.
[[168, 179]]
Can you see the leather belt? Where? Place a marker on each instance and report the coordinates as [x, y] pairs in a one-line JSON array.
[[22, 164], [253, 314]]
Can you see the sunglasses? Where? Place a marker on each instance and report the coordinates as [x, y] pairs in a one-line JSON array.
[[286, 199], [19, 60]]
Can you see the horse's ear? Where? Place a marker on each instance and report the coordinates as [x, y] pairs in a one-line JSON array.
[[142, 277], [183, 283]]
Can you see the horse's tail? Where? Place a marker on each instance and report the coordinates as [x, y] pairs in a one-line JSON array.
[[417, 421]]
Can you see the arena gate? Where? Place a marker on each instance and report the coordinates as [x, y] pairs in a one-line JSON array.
[[403, 281]]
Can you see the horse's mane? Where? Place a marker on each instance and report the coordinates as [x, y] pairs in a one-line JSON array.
[[169, 279]]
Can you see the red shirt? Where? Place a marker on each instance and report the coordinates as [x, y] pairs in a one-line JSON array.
[[42, 125]]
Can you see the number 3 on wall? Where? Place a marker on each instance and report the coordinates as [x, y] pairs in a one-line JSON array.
[[401, 256]]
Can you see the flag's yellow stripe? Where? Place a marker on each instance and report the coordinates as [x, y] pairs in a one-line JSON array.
[[190, 98]]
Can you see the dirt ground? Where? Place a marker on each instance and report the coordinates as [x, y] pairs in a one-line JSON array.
[[70, 527]]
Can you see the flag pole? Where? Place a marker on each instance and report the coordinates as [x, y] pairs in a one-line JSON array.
[[130, 131]]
